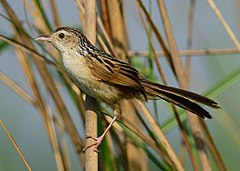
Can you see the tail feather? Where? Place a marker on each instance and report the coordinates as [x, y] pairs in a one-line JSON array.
[[185, 104], [182, 98]]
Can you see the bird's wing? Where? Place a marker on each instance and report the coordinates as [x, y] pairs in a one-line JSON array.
[[115, 72]]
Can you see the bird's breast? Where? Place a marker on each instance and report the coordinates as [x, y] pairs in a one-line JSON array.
[[77, 67], [79, 70]]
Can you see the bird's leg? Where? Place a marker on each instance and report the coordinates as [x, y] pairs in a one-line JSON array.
[[98, 140]]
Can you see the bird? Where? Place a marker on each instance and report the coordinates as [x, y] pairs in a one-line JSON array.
[[110, 80]]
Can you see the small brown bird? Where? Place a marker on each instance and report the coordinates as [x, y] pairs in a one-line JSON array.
[[107, 79]]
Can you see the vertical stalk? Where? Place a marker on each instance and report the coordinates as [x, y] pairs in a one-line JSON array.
[[91, 157]]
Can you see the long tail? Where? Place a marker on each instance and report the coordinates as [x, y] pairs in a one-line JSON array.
[[182, 98]]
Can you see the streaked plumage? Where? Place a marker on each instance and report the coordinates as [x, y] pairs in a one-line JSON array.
[[110, 80]]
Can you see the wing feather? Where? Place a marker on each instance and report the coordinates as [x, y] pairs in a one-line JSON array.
[[115, 72]]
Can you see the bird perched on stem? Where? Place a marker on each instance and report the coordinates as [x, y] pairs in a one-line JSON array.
[[107, 79]]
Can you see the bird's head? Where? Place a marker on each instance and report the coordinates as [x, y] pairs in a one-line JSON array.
[[66, 40]]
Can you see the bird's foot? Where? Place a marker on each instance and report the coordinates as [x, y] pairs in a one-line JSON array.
[[95, 144], [99, 139]]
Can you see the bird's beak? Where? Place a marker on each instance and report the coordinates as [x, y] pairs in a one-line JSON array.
[[44, 38]]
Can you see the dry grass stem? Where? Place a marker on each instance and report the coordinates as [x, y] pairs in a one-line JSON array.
[[39, 20], [189, 37], [60, 162], [136, 141], [48, 80], [56, 19], [170, 152], [47, 117], [184, 136], [187, 71], [63, 145], [145, 138], [194, 120], [11, 84], [106, 36], [30, 50], [224, 23], [81, 12], [153, 49], [15, 146], [101, 26], [189, 53], [105, 15], [119, 40], [213, 149], [166, 52]]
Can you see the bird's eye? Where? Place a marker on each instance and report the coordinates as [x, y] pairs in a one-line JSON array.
[[61, 35]]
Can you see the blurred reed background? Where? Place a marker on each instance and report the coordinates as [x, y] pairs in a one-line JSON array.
[[43, 110]]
